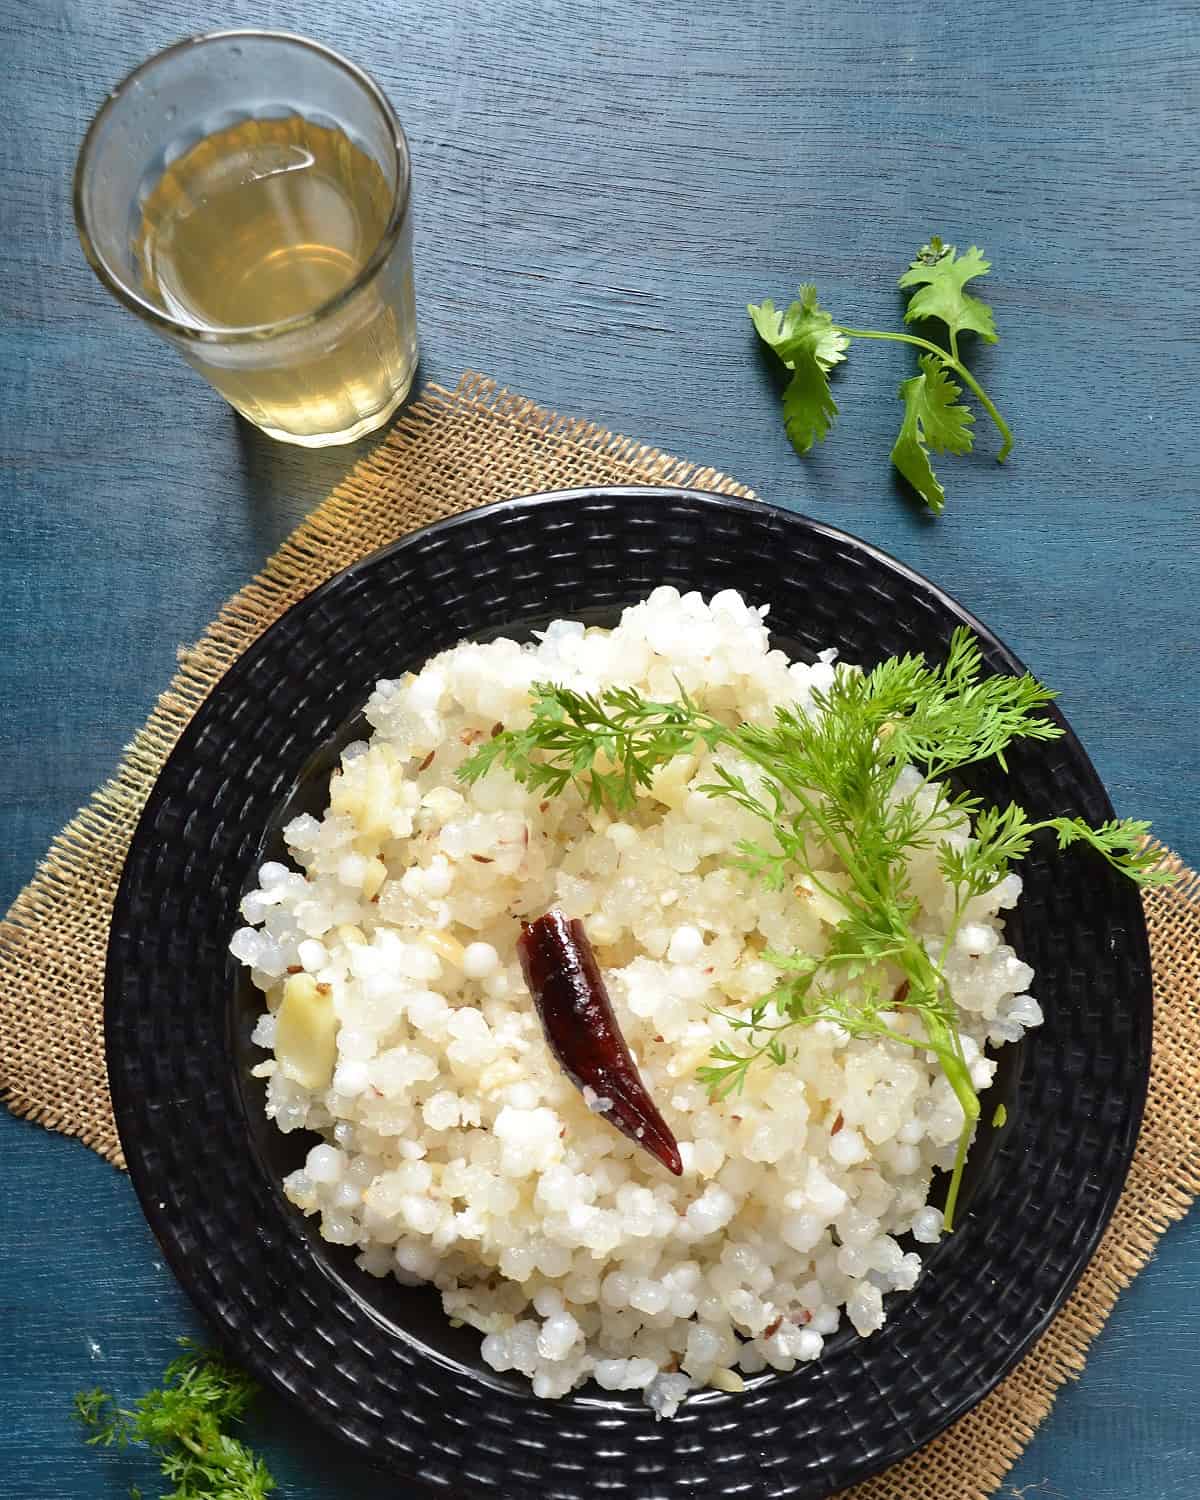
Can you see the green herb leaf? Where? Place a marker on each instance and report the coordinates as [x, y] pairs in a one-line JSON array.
[[1122, 842], [809, 344], [582, 737], [1000, 1118], [942, 274], [804, 325], [809, 410], [181, 1424], [932, 420], [828, 782]]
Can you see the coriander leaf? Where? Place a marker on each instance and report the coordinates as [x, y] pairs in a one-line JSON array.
[[770, 323], [809, 410], [1001, 836], [943, 718], [809, 343], [180, 1423], [932, 419], [575, 737], [1122, 841], [808, 326], [805, 322], [941, 275], [726, 1073]]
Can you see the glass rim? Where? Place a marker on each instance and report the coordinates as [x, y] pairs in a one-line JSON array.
[[256, 332]]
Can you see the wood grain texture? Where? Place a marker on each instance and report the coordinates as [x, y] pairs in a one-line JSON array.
[[600, 188]]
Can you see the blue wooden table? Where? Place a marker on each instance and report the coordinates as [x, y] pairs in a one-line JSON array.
[[601, 186]]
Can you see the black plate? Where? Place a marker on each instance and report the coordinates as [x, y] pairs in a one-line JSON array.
[[377, 1364]]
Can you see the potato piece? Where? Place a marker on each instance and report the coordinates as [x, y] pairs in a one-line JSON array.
[[820, 903], [373, 879], [669, 784], [346, 795], [306, 1033], [378, 806], [445, 946]]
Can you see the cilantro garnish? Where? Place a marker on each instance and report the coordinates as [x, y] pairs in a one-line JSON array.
[[809, 343], [827, 784], [181, 1422]]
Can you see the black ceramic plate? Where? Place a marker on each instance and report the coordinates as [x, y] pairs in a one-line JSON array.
[[376, 1363]]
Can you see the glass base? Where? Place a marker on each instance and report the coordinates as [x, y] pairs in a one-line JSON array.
[[348, 434]]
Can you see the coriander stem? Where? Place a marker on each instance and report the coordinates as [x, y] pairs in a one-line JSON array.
[[960, 1157], [955, 364]]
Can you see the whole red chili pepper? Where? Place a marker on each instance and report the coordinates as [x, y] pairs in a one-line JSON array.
[[582, 1031]]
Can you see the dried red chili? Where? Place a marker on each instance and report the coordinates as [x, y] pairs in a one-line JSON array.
[[583, 1033]]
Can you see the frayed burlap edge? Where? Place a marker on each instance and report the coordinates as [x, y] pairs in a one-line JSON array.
[[452, 451]]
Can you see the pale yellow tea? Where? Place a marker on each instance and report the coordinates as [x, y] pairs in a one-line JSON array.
[[266, 221]]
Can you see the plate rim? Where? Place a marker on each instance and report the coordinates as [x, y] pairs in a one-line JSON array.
[[157, 1213]]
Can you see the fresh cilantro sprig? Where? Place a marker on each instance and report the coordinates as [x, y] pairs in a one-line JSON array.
[[809, 343], [826, 785], [181, 1423], [804, 338], [608, 746]]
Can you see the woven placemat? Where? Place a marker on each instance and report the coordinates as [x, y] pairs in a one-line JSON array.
[[452, 451]]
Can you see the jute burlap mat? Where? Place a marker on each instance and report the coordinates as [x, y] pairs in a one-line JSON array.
[[452, 451]]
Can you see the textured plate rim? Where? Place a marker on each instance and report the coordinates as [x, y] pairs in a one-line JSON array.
[[155, 1210]]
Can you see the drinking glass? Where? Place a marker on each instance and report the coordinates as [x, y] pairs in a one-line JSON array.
[[247, 194]]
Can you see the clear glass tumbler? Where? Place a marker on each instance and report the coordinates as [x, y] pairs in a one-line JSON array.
[[247, 193]]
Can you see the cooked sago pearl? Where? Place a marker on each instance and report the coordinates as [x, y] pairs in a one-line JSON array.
[[352, 870], [847, 1147], [976, 940], [325, 1163], [907, 1160], [339, 1229], [601, 930], [347, 1194], [559, 1332], [686, 945], [927, 1226], [649, 1296], [312, 955], [438, 877], [351, 1077], [622, 835], [440, 1111], [480, 960], [712, 1211], [1025, 1011]]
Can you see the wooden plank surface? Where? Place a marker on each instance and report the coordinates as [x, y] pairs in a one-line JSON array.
[[600, 189]]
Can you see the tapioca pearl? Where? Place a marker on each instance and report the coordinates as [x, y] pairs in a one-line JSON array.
[[325, 1163], [480, 960], [927, 1226], [438, 878], [686, 945]]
